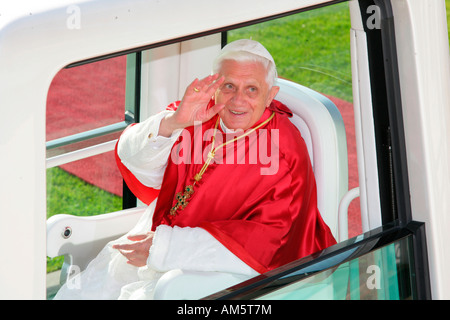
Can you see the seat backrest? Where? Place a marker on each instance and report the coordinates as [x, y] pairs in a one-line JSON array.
[[322, 127]]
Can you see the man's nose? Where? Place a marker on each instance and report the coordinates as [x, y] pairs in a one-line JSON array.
[[238, 97]]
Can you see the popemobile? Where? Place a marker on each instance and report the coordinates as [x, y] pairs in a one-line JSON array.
[[384, 145]]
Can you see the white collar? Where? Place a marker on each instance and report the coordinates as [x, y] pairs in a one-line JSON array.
[[225, 129]]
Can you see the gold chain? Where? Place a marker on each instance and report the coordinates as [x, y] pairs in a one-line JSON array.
[[189, 190]]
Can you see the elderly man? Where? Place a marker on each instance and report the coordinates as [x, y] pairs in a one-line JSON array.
[[215, 202]]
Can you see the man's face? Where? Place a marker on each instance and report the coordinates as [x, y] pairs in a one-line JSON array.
[[244, 92]]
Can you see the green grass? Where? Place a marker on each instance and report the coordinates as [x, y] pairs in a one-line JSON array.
[[311, 48], [71, 195], [447, 7]]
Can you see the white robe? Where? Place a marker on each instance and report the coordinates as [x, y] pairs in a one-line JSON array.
[[108, 276]]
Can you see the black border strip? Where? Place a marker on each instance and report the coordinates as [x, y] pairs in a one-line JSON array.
[[394, 103], [421, 267], [377, 72], [129, 200], [387, 113]]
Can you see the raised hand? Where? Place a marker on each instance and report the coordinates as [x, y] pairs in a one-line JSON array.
[[193, 105]]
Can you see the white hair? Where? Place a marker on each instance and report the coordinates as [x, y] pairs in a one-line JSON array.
[[245, 56]]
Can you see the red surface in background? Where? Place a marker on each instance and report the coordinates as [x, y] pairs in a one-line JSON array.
[[85, 98], [354, 214], [93, 95]]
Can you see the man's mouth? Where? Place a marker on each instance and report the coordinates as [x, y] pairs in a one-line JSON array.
[[236, 112]]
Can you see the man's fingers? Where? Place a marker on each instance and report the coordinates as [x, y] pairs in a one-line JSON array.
[[134, 258], [126, 246], [218, 81], [211, 112], [207, 81], [137, 237], [204, 82], [207, 85], [136, 263], [137, 252], [125, 253], [195, 101]]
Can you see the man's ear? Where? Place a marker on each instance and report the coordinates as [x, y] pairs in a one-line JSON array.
[[272, 93]]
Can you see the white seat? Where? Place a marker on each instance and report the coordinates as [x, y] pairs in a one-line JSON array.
[[322, 128]]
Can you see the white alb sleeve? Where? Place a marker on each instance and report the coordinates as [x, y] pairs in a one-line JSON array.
[[144, 152], [193, 249]]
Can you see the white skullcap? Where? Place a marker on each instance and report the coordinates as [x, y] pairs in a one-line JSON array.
[[247, 45]]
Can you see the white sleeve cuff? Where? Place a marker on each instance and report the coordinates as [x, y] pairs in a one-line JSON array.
[[144, 152], [192, 249], [160, 246]]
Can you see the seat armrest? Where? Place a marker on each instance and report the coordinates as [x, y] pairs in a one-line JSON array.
[[343, 212], [82, 238]]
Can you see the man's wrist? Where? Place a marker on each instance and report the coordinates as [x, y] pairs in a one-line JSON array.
[[168, 125]]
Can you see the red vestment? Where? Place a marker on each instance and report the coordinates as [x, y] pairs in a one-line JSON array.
[[267, 220]]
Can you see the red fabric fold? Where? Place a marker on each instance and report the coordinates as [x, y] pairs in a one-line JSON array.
[[142, 192], [267, 220]]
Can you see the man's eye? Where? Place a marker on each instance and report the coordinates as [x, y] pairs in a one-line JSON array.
[[227, 87], [252, 89]]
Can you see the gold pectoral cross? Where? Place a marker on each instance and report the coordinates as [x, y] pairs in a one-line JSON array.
[[182, 199]]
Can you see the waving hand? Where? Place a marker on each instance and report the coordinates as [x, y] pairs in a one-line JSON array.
[[193, 106]]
